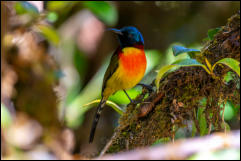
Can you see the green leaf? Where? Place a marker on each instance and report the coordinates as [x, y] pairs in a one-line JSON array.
[[194, 129], [228, 77], [105, 11], [25, 7], [74, 118], [231, 63], [180, 49], [109, 103], [49, 33], [213, 32], [161, 73], [6, 118], [121, 98], [225, 125], [187, 62], [202, 121], [57, 5], [175, 65], [190, 62], [228, 112], [52, 17], [162, 141]]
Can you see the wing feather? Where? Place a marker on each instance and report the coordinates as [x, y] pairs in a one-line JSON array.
[[114, 63]]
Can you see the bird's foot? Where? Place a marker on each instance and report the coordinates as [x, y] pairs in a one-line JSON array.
[[135, 102], [148, 87]]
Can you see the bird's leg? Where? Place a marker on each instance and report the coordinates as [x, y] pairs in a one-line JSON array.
[[134, 102], [149, 87]]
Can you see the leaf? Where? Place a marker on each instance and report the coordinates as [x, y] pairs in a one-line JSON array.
[[121, 98], [226, 126], [105, 11], [109, 103], [202, 121], [208, 64], [49, 33], [180, 49], [162, 141], [194, 129], [228, 112], [25, 7], [6, 118], [228, 77], [176, 64], [213, 32], [190, 62], [231, 63], [57, 5], [52, 17], [161, 73]]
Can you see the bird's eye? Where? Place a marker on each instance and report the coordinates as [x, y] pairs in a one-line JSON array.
[[130, 36]]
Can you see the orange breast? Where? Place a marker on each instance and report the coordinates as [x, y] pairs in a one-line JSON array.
[[133, 63], [131, 69]]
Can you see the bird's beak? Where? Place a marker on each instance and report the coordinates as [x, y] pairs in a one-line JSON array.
[[115, 31]]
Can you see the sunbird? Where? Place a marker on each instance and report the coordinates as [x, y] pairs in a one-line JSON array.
[[126, 69]]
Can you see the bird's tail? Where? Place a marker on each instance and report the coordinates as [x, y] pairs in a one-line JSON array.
[[96, 119]]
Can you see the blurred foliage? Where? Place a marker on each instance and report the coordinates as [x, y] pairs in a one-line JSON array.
[[104, 10], [25, 7], [40, 56], [6, 118], [224, 154], [213, 32]]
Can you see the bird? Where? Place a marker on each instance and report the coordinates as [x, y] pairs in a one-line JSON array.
[[126, 68]]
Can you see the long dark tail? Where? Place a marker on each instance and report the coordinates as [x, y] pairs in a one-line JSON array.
[[96, 119]]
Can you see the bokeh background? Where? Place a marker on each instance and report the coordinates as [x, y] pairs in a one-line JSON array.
[[53, 58]]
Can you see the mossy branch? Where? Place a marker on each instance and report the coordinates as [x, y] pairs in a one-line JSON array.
[[179, 96]]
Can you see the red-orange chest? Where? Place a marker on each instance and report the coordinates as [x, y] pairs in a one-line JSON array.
[[133, 62]]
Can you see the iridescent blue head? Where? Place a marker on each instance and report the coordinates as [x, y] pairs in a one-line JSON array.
[[129, 36]]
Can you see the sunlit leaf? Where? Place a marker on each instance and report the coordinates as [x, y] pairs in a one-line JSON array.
[[25, 7], [105, 11], [208, 64], [213, 32], [6, 118], [49, 33], [180, 49], [121, 98], [57, 5], [231, 63]]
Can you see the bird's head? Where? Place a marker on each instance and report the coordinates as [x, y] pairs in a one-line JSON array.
[[128, 36]]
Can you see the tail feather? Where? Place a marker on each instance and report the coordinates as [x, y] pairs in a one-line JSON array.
[[96, 119]]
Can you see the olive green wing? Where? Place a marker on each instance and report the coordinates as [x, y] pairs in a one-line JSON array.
[[114, 63]]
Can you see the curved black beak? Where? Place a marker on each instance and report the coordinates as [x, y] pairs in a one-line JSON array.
[[115, 31]]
